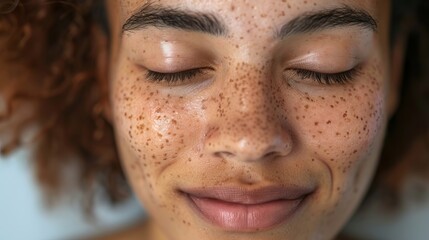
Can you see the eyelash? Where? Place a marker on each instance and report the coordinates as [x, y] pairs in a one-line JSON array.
[[328, 78], [322, 78], [173, 78]]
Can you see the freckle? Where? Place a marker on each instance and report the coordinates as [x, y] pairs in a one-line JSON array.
[[316, 123], [328, 122]]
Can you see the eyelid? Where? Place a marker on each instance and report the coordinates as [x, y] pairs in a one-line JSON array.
[[339, 78], [325, 65], [175, 78]]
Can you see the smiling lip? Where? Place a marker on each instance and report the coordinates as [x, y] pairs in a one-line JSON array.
[[238, 209]]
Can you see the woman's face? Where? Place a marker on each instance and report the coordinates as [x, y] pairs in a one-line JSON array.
[[249, 119]]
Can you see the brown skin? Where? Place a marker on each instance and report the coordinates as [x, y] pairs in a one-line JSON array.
[[268, 126]]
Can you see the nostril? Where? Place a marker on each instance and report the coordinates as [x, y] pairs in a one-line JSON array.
[[224, 155], [270, 154], [242, 156]]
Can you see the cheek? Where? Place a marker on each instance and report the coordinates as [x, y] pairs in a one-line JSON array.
[[154, 127], [340, 129]]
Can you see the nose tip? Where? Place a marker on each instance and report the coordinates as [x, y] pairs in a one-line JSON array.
[[251, 148]]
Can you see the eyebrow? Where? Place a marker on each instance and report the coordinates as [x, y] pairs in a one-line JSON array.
[[325, 19], [164, 17], [150, 15]]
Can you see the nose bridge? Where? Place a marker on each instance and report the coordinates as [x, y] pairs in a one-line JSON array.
[[250, 100], [251, 89], [248, 126], [248, 89]]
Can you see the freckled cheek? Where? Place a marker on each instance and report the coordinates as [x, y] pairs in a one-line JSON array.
[[340, 128], [154, 131], [359, 127], [362, 123]]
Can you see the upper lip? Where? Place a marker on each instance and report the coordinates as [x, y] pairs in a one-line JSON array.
[[242, 195]]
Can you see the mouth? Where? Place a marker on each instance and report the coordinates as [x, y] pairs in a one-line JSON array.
[[241, 210]]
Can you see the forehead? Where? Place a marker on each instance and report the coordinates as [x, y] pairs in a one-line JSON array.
[[128, 7]]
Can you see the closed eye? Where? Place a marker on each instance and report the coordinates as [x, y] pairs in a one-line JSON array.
[[174, 77], [322, 78], [328, 78]]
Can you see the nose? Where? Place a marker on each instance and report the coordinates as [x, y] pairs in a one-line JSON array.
[[250, 123]]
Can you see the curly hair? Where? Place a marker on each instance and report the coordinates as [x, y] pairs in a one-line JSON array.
[[60, 95], [51, 83]]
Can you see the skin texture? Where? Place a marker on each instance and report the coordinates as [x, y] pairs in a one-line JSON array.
[[248, 120]]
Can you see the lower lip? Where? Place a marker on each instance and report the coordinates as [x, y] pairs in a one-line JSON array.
[[245, 217]]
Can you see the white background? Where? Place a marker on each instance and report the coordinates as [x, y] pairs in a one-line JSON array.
[[24, 217]]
